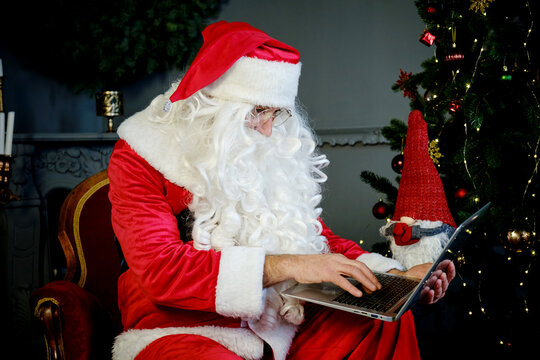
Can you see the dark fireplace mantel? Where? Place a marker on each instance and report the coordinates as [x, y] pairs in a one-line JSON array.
[[45, 168]]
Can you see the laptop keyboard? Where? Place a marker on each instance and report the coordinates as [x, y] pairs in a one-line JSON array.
[[393, 289]]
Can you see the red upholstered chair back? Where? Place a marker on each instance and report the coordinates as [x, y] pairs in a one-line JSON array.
[[85, 232]]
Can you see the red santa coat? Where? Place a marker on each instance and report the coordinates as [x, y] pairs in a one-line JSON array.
[[172, 288]]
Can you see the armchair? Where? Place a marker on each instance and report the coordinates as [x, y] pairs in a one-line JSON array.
[[79, 315]]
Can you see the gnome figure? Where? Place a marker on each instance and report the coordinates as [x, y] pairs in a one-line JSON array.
[[422, 223]]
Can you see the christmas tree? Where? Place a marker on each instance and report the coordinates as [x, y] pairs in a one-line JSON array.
[[479, 95]]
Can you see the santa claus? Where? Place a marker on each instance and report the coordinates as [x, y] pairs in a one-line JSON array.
[[422, 223], [228, 144]]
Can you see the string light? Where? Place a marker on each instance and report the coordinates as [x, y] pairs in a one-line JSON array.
[[467, 88], [535, 156], [465, 157], [522, 282], [535, 170]]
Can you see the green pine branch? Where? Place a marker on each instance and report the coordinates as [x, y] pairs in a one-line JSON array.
[[381, 185], [395, 133]]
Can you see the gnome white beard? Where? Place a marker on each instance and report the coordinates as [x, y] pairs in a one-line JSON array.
[[426, 250]]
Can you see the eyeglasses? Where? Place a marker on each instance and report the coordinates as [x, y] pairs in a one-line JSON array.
[[260, 115]]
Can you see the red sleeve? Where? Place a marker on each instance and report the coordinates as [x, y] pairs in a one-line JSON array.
[[144, 204], [340, 245]]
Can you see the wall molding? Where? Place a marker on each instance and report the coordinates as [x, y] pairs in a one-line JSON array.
[[351, 137]]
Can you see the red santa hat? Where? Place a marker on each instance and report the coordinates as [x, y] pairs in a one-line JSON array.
[[241, 63], [421, 194]]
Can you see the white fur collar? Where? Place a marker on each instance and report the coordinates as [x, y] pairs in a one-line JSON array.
[[155, 143]]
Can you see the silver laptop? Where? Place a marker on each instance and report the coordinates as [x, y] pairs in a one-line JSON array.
[[398, 293]]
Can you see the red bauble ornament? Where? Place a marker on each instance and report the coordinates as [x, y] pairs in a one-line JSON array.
[[381, 210], [460, 193], [397, 163]]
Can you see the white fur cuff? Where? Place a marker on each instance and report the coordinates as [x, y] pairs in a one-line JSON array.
[[239, 290], [379, 263]]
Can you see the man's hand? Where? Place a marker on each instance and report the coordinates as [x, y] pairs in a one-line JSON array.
[[438, 282], [308, 269]]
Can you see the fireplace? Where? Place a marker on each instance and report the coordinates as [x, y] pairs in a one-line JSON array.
[[44, 170]]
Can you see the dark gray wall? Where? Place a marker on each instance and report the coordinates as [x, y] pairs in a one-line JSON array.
[[351, 51]]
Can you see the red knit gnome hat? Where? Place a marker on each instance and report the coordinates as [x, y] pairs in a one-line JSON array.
[[241, 63], [421, 194]]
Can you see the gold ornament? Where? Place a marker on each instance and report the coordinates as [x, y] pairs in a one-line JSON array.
[[517, 240], [434, 151], [481, 5], [460, 259], [109, 104]]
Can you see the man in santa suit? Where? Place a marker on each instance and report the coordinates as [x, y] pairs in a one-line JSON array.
[[422, 223], [228, 144]]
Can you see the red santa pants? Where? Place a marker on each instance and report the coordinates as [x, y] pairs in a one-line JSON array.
[[326, 334]]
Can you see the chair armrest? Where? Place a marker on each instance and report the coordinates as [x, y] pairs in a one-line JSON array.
[[49, 314], [74, 323]]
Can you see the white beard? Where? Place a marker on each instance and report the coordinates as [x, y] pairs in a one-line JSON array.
[[250, 190]]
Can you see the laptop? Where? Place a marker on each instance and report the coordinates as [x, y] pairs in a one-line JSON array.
[[398, 293]]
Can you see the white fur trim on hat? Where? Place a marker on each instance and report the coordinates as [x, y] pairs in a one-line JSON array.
[[239, 289], [258, 82]]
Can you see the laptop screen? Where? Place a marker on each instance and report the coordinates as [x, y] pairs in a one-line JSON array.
[[450, 252]]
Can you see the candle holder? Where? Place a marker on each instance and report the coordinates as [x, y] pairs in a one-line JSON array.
[[6, 195], [109, 104]]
